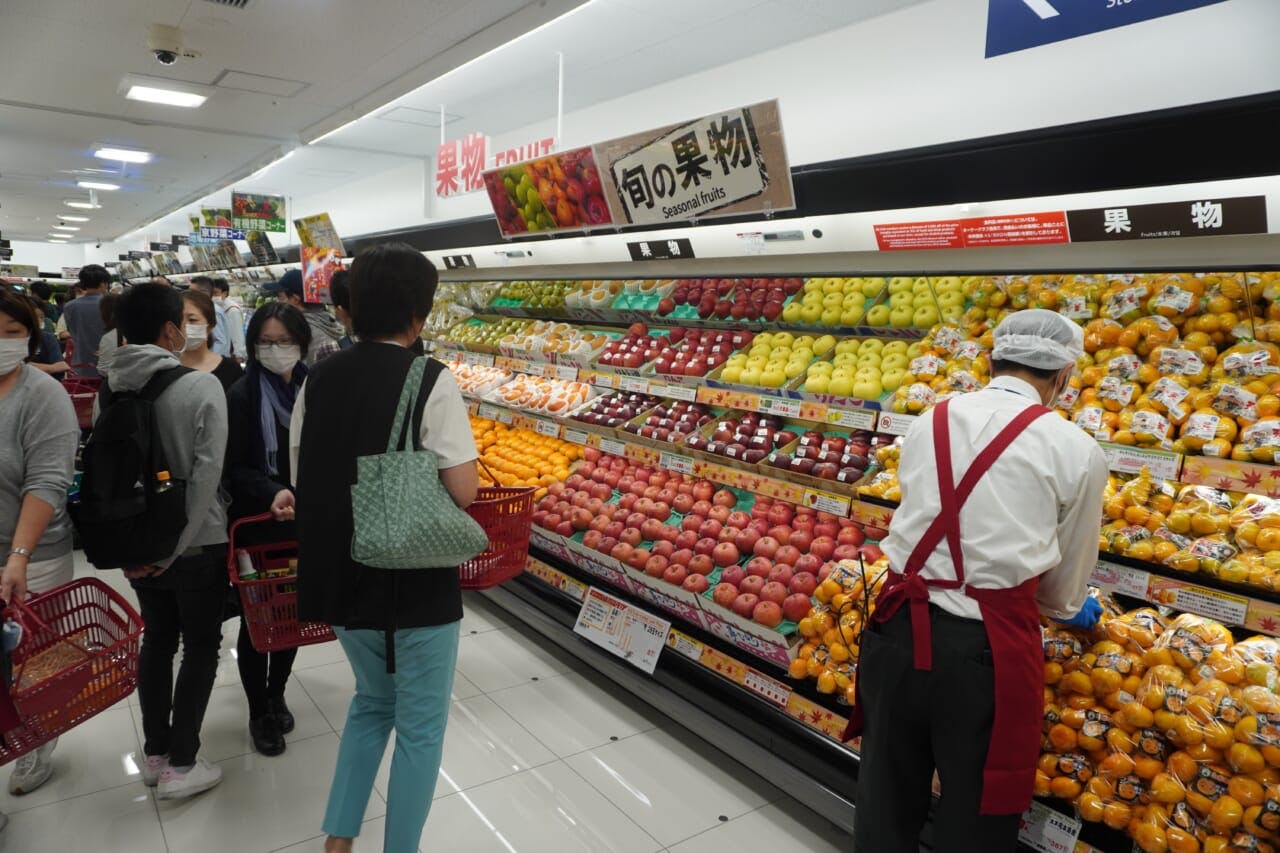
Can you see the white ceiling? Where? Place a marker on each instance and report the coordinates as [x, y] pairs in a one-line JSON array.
[[63, 61]]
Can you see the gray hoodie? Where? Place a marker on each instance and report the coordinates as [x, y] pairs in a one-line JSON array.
[[192, 414]]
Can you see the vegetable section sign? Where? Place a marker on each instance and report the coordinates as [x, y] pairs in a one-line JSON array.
[[730, 162], [1014, 25], [251, 212]]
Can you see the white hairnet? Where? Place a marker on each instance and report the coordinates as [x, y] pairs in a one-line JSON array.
[[1038, 338]]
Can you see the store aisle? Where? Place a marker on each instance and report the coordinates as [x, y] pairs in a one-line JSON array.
[[539, 757]]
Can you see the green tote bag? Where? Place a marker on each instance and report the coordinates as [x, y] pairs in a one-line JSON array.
[[403, 516]]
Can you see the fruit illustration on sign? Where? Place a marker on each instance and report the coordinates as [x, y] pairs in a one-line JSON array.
[[555, 192]]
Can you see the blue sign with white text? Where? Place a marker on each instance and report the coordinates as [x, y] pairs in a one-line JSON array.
[[1014, 25]]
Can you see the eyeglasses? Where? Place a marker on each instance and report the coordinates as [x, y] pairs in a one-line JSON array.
[[280, 344]]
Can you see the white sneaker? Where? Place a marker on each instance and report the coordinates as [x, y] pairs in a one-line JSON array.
[[152, 768], [176, 786], [32, 770]]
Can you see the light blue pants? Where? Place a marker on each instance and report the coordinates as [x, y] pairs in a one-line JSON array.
[[415, 702]]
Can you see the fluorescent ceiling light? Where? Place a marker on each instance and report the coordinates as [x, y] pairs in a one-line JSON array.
[[56, 236], [81, 204], [66, 227], [167, 97], [96, 185], [61, 242], [68, 218], [124, 155]]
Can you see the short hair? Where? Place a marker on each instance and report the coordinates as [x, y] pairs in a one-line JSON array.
[[392, 285], [59, 299], [161, 280], [202, 283], [204, 304], [93, 275], [289, 316], [220, 284], [999, 365], [145, 309], [340, 290], [41, 288], [20, 309], [107, 311]]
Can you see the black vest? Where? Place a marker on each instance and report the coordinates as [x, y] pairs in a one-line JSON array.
[[351, 399]]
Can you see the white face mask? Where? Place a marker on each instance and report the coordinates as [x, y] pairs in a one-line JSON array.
[[196, 335], [13, 351], [279, 360]]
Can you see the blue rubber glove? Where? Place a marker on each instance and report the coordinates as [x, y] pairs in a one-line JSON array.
[[1088, 615]]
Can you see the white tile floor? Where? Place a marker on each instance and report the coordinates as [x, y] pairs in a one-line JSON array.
[[539, 756]]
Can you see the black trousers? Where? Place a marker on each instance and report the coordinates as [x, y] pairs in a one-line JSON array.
[[264, 676], [186, 601], [917, 722]]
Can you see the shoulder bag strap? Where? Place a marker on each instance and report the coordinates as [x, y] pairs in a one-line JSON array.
[[429, 376], [404, 409]]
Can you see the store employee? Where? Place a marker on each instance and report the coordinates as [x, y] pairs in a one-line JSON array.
[[1001, 501]]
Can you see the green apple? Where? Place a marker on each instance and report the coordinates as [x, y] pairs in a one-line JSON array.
[[801, 353], [803, 341], [871, 344], [879, 316], [794, 368], [899, 283], [818, 383], [952, 314], [840, 386], [812, 285], [811, 313], [823, 367], [873, 286], [921, 285], [851, 316], [901, 298], [914, 351], [791, 312], [775, 378], [894, 361], [948, 283], [924, 317], [900, 318], [868, 389], [894, 346], [824, 344], [890, 380], [853, 300], [811, 299]]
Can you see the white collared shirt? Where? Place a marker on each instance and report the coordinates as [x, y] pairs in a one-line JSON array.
[[1037, 511]]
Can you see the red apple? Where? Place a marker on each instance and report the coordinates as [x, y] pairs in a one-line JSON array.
[[801, 539], [686, 539], [632, 536], [725, 594], [760, 525], [663, 548], [703, 490], [781, 532], [767, 613], [607, 544], [702, 508], [830, 529], [781, 573], [651, 529], [681, 556], [639, 557], [753, 584], [759, 566], [701, 564], [682, 503], [822, 547], [675, 575], [766, 547], [808, 563], [738, 519], [787, 554], [724, 497], [697, 584], [733, 575], [622, 552], [870, 553], [875, 534], [746, 540], [780, 513], [846, 552], [850, 535], [804, 522], [592, 538], [725, 554], [774, 591], [719, 513], [564, 528], [710, 528], [796, 606], [655, 565], [691, 522], [803, 583], [745, 604], [728, 534], [661, 510]]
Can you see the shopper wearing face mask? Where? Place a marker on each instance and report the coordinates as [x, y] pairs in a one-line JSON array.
[[234, 312], [257, 476], [197, 324], [40, 433]]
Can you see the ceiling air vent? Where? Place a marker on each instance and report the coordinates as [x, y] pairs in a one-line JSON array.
[[234, 4]]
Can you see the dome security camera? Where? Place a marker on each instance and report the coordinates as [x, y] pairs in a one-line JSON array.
[[165, 43]]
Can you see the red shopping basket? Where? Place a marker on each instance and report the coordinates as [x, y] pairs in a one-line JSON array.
[[83, 391], [78, 657], [270, 605], [506, 514]]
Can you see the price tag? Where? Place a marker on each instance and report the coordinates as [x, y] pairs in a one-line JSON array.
[[546, 427], [778, 406], [675, 462], [613, 447], [495, 413], [1226, 608], [574, 436], [626, 631], [1047, 830], [634, 384], [572, 588], [676, 392], [567, 372], [1131, 460], [473, 407], [894, 423], [1122, 579], [478, 359], [852, 418], [826, 502], [773, 691], [685, 645]]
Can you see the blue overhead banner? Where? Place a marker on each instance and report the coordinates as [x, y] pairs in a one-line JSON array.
[[1014, 25]]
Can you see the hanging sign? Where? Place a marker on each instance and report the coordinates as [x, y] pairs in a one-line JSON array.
[[180, 239], [321, 250], [161, 247], [255, 212], [560, 192], [261, 249], [727, 163], [1193, 218], [1014, 25], [219, 234]]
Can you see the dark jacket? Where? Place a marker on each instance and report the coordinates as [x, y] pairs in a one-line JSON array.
[[350, 400], [246, 480]]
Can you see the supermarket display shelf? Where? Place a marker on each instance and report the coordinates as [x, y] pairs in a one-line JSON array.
[[756, 731]]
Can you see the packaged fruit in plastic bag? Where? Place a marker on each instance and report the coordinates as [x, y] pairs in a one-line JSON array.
[[1125, 301], [1256, 522], [1251, 361], [1261, 439], [1180, 361], [1135, 630], [1209, 433], [1177, 297]]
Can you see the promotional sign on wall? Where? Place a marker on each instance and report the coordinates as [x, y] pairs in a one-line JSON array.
[[321, 249], [256, 212], [725, 164], [1014, 25], [1013, 230], [560, 192]]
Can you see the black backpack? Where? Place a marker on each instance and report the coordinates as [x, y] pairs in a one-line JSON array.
[[131, 510]]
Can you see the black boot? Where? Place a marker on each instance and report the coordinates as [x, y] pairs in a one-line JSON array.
[[266, 736], [278, 709]]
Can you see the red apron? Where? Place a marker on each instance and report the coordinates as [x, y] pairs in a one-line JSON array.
[[1010, 616]]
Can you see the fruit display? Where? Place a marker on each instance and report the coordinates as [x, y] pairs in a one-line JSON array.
[[542, 395], [562, 190], [614, 410], [672, 423], [638, 347], [697, 352], [833, 301], [747, 299], [547, 339], [862, 368], [742, 436], [522, 457], [775, 359], [485, 335], [477, 379], [829, 455]]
